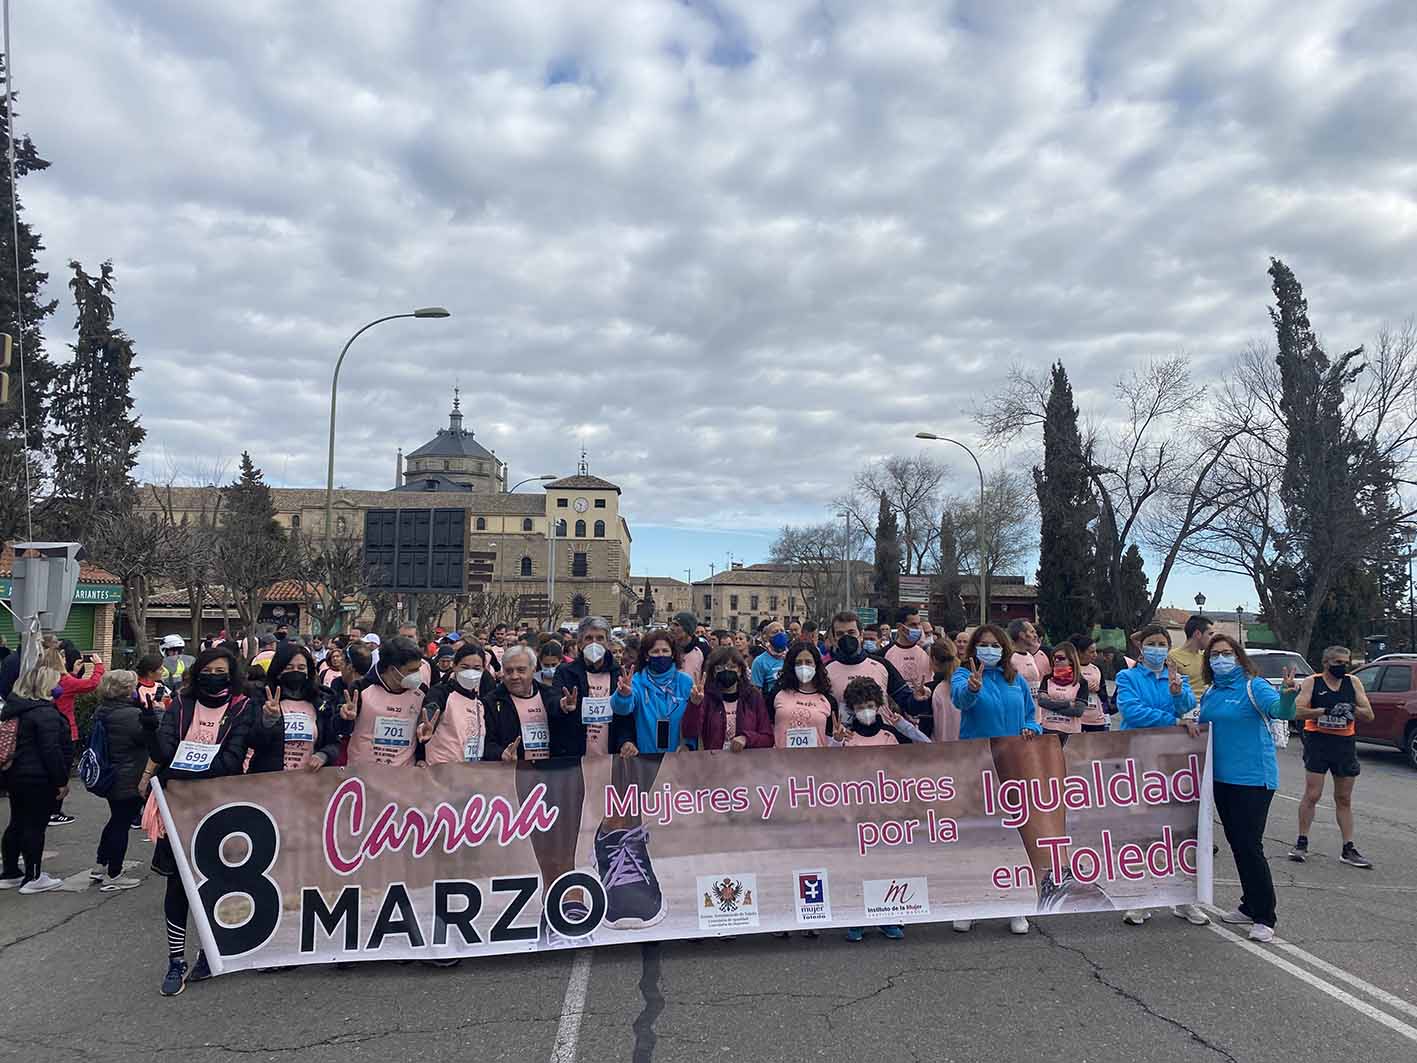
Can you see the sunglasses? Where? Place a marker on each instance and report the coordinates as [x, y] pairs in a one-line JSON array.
[[1061, 660]]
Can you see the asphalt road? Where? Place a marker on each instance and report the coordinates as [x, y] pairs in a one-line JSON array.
[[79, 974]]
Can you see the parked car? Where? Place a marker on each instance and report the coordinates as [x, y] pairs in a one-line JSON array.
[[1390, 685], [1271, 665]]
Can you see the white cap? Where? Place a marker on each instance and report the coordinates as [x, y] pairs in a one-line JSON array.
[[173, 642], [371, 638]]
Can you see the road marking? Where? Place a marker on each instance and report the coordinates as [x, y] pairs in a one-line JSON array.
[[1352, 979], [568, 1033], [1308, 977]]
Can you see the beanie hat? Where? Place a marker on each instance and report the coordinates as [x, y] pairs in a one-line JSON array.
[[686, 621]]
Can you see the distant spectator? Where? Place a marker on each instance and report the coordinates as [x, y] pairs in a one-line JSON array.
[[121, 713], [38, 777]]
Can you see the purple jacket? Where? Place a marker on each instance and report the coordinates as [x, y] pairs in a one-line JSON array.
[[707, 722]]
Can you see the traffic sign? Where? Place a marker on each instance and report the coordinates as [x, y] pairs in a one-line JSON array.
[[866, 615]]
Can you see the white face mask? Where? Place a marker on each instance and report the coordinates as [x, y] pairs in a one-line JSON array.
[[470, 678], [412, 681], [594, 652], [865, 715], [806, 672]]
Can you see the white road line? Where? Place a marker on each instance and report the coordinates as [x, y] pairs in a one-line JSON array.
[[568, 1033], [1352, 979], [1309, 978]]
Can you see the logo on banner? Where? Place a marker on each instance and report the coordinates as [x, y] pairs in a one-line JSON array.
[[813, 902], [896, 898], [729, 902]]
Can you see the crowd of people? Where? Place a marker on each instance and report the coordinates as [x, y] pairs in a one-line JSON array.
[[537, 700]]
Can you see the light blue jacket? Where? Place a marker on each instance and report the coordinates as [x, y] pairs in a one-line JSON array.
[[766, 669], [998, 710], [1144, 699], [654, 698], [1239, 728]]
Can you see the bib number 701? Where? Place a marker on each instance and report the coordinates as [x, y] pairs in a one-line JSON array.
[[237, 928]]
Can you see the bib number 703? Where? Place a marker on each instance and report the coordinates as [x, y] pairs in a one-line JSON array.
[[238, 928]]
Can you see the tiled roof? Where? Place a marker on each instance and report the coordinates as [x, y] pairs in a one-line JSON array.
[[583, 482], [286, 590], [88, 573], [452, 443], [437, 481], [308, 499]]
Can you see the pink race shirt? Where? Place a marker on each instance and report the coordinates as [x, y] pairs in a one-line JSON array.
[[1026, 665], [386, 728], [597, 735], [1057, 721], [461, 734], [1094, 716], [801, 720], [536, 735], [301, 732], [841, 674], [946, 715], [912, 662]]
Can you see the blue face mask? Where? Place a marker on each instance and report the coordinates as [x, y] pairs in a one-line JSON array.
[[660, 665], [914, 633], [870, 646], [779, 641], [989, 656], [1155, 656], [1224, 666]]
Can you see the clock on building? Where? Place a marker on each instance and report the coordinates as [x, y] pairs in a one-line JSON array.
[[581, 505]]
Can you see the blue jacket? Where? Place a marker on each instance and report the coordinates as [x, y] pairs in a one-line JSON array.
[[1144, 699], [998, 710], [1243, 747], [653, 699], [766, 669]]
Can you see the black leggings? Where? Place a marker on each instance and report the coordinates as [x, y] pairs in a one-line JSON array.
[[113, 842], [24, 837], [174, 908]]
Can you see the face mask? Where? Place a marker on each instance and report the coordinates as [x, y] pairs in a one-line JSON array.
[[1338, 671], [914, 634], [779, 641], [1223, 666], [594, 652], [865, 715], [726, 678], [292, 684], [660, 665], [989, 656], [870, 646], [928, 641], [412, 681], [1154, 656], [213, 684], [546, 675], [1063, 673], [806, 672], [470, 678], [848, 646]]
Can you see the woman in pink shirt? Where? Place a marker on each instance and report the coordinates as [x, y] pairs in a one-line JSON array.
[[801, 709], [1062, 698], [943, 663]]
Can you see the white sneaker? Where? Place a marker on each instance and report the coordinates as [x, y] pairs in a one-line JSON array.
[[118, 882], [1236, 918], [99, 872], [1136, 916], [43, 884], [13, 883], [1262, 933], [1191, 914], [961, 926], [1018, 925]]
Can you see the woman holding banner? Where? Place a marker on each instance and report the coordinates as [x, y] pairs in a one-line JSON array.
[[455, 731], [204, 735], [731, 715], [309, 734], [801, 709]]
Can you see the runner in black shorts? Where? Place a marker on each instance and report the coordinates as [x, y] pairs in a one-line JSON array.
[[1329, 703]]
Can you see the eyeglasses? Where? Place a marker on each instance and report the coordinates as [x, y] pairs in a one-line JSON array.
[[1061, 660]]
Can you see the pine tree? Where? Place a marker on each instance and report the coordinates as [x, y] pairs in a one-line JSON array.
[[251, 549], [39, 370], [96, 434], [947, 604], [886, 587], [1066, 602], [1135, 590]]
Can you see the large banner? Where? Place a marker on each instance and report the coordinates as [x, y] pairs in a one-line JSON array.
[[475, 859]]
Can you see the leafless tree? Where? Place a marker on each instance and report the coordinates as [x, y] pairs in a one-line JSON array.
[[138, 548], [814, 554], [912, 487], [1010, 524]]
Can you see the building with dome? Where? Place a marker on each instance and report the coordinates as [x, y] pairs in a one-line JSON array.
[[453, 460]]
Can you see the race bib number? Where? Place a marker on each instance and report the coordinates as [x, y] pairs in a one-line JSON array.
[[299, 727], [1056, 717], [1332, 723], [472, 748], [536, 739], [392, 732], [801, 738], [595, 710], [195, 756]]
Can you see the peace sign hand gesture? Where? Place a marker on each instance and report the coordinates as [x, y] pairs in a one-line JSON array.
[[696, 695], [1174, 676], [976, 675], [427, 725], [510, 753], [1289, 673], [349, 710], [271, 709], [623, 687], [839, 731], [568, 700]]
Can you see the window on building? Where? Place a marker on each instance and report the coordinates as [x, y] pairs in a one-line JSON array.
[[752, 623], [579, 566], [772, 602], [560, 532], [753, 602], [732, 623], [526, 566], [708, 602], [791, 604], [481, 523], [341, 526], [295, 522], [600, 503], [600, 529], [733, 601], [580, 529], [580, 608], [562, 503], [447, 465], [527, 524]]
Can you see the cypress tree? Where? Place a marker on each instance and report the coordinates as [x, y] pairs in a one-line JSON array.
[[887, 575], [1066, 601], [947, 605], [1135, 589]]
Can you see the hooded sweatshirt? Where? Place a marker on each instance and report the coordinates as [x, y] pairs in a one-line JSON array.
[[1239, 723], [651, 699], [998, 709]]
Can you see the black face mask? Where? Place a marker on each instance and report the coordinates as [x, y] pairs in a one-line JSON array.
[[212, 687], [848, 646], [293, 684], [1338, 671], [726, 678]]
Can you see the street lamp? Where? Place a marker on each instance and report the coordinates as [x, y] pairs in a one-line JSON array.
[[1240, 624], [1200, 602], [424, 311], [529, 479], [983, 604]]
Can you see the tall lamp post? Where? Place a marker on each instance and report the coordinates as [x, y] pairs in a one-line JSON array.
[[1411, 612], [1240, 624], [979, 532], [1200, 602], [529, 479], [424, 311]]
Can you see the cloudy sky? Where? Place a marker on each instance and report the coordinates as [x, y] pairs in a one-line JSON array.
[[736, 249]]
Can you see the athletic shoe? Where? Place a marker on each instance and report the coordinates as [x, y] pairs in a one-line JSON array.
[[12, 882], [1300, 852], [138, 823], [43, 884], [855, 933], [1191, 914], [895, 933], [633, 900], [1262, 933], [1236, 918], [99, 872], [575, 912], [1353, 857], [176, 979], [1136, 916], [962, 926], [59, 819], [1018, 925], [200, 971], [1070, 895], [113, 883], [811, 933], [453, 962]]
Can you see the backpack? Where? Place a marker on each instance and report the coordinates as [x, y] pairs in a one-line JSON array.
[[9, 739], [96, 769]]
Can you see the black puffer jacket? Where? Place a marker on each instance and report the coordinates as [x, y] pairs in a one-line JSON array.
[[127, 746], [43, 748]]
